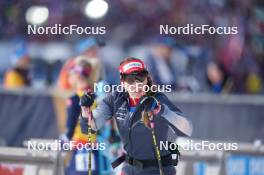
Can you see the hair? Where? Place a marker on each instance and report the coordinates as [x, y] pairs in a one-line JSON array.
[[149, 80], [144, 115], [85, 65]]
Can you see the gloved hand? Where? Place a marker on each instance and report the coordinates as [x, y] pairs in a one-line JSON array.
[[150, 107], [87, 99], [149, 103]]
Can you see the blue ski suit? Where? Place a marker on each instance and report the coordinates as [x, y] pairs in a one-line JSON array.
[[135, 136]]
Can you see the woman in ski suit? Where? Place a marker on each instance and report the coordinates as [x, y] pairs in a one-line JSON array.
[[81, 80], [134, 110]]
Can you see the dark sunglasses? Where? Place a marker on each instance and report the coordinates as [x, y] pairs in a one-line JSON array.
[[136, 76]]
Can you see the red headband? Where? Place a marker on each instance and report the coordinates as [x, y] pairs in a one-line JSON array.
[[131, 66]]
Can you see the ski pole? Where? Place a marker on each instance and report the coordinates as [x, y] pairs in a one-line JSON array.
[[152, 128], [89, 141], [154, 139]]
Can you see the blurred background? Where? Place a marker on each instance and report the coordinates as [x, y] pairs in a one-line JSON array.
[[217, 80]]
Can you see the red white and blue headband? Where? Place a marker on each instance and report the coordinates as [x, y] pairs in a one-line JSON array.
[[132, 66]]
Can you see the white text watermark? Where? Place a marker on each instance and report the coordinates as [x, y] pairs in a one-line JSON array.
[[58, 29], [58, 145], [190, 145], [131, 88], [191, 29]]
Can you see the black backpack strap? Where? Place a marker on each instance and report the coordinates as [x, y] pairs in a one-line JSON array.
[[175, 151], [118, 161]]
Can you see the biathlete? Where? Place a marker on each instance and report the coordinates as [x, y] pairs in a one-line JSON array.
[[144, 118], [80, 79]]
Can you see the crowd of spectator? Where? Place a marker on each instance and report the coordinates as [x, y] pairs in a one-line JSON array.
[[193, 63]]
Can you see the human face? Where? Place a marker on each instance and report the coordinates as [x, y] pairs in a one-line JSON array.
[[214, 73], [134, 84], [138, 76]]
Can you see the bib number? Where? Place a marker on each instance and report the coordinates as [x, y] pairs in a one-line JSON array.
[[81, 162]]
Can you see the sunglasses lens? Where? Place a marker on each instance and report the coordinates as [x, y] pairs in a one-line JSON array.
[[130, 79], [140, 76]]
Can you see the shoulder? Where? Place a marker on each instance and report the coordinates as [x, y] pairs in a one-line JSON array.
[[115, 98], [163, 99], [116, 95]]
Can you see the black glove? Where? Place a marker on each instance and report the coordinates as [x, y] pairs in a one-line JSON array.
[[87, 99], [149, 103]]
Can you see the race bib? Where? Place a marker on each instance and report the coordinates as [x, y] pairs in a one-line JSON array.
[[81, 162]]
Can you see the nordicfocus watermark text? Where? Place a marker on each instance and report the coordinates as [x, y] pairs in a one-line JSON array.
[[190, 145], [132, 88], [58, 29], [190, 29], [58, 145]]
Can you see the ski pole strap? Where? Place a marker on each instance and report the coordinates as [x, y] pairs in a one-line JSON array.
[[166, 161]]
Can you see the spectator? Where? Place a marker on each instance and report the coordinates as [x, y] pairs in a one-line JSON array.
[[218, 79], [18, 76], [159, 62]]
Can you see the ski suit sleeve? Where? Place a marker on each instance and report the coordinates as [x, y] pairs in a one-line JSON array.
[[175, 117], [102, 113]]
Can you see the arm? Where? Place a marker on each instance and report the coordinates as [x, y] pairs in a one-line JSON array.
[[103, 112], [175, 117], [73, 112]]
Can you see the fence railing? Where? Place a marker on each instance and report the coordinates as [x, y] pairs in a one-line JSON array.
[[215, 162]]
